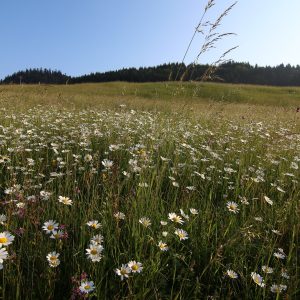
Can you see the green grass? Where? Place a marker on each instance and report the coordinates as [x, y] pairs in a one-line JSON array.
[[164, 92], [173, 147]]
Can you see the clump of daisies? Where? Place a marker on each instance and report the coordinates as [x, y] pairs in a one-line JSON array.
[[95, 249], [5, 240], [56, 231], [131, 267]]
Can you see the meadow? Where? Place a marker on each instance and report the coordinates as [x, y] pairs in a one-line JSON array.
[[149, 191]]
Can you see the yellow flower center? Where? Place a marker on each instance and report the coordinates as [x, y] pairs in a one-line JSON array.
[[52, 258], [123, 271], [135, 267], [50, 227], [3, 240], [87, 287], [94, 225], [94, 252], [256, 280]]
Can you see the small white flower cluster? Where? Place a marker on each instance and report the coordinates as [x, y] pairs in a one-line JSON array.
[[126, 269], [5, 240], [95, 249]]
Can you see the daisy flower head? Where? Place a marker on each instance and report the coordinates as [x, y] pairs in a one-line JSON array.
[[53, 260], [3, 219], [194, 211], [279, 255], [65, 200], [276, 231], [232, 207], [285, 274], [94, 224], [268, 200], [232, 274], [123, 272], [97, 239], [182, 234], [146, 222], [267, 269], [94, 252], [50, 226], [45, 195], [163, 246], [3, 255], [163, 223], [119, 215], [136, 267], [107, 164], [175, 218], [88, 158], [6, 238], [275, 288], [86, 286], [59, 234], [184, 215], [257, 279]]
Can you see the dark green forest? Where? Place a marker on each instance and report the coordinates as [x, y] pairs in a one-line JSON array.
[[230, 72]]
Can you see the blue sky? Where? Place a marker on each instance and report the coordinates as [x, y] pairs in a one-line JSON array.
[[83, 36]]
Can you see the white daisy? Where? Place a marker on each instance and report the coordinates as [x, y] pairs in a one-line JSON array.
[[6, 238], [163, 246], [257, 279], [232, 207], [65, 200], [53, 260], [232, 274], [86, 286], [94, 224], [94, 252], [146, 222], [175, 218], [181, 234], [136, 267], [3, 255], [123, 272], [50, 226]]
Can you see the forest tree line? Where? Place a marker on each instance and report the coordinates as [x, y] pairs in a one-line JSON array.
[[230, 72]]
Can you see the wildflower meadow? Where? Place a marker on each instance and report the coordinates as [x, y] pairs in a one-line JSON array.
[[118, 192]]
